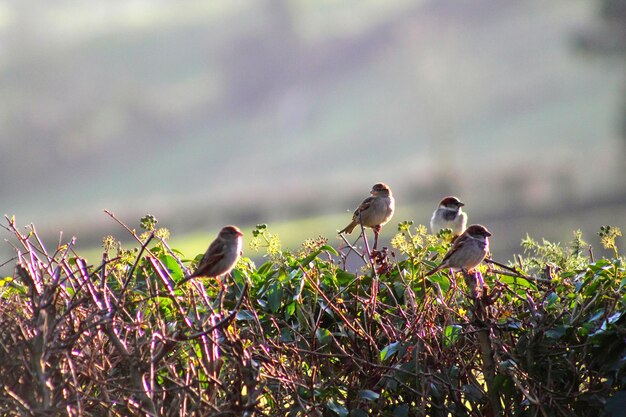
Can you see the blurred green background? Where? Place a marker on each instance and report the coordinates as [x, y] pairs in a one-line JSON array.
[[286, 112]]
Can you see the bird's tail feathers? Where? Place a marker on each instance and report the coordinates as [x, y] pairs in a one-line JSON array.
[[432, 271], [188, 278], [349, 228]]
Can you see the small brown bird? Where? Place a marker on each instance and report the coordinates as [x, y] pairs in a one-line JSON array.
[[221, 256], [374, 211], [449, 215], [467, 251]]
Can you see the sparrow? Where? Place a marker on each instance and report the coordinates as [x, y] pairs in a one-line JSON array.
[[374, 211], [221, 256], [449, 215], [467, 251]]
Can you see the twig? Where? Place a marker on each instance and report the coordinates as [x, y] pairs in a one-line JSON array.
[[489, 367], [353, 248], [10, 260], [359, 331], [223, 321], [171, 252], [514, 272]]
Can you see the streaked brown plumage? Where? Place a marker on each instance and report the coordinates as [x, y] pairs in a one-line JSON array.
[[374, 211], [221, 256], [467, 251]]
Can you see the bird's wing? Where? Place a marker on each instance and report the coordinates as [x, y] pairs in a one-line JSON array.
[[214, 253], [456, 245], [362, 207], [356, 217]]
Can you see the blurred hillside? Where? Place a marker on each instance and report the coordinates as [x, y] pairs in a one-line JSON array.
[[205, 113]]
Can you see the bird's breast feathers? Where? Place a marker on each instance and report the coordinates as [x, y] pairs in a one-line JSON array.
[[480, 241]]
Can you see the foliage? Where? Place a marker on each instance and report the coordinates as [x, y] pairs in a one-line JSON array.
[[302, 335]]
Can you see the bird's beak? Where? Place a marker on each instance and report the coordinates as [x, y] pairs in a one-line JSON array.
[[487, 233], [460, 204]]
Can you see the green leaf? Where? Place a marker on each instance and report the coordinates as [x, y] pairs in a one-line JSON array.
[[329, 249], [614, 317], [430, 264], [551, 300], [557, 332], [597, 315], [507, 365], [275, 297], [286, 335], [435, 390], [300, 287], [291, 308], [401, 411], [323, 335], [265, 268], [310, 257], [399, 288], [337, 408], [441, 279], [5, 281], [369, 395], [452, 334], [600, 331], [238, 276], [316, 253], [389, 350], [177, 252], [592, 287], [614, 406], [583, 330], [164, 305], [473, 392], [245, 315], [172, 266], [357, 412], [344, 278], [519, 282], [600, 265], [325, 308], [499, 381]]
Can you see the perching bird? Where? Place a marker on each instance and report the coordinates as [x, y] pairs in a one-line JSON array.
[[467, 251], [449, 215], [221, 256], [374, 211]]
